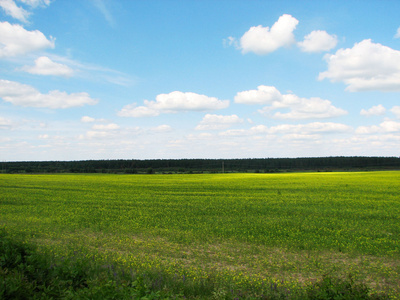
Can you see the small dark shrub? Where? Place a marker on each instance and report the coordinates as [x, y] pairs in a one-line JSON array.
[[329, 288]]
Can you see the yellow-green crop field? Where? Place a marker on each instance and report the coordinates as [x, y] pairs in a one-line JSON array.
[[242, 231]]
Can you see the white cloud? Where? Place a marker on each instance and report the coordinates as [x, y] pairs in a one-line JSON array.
[[290, 131], [86, 119], [379, 145], [259, 129], [300, 137], [377, 110], [11, 9], [310, 128], [36, 3], [15, 40], [217, 122], [299, 108], [367, 129], [43, 136], [303, 108], [101, 6], [26, 95], [230, 41], [95, 73], [263, 40], [390, 126], [235, 132], [179, 101], [94, 134], [263, 95], [172, 103], [110, 126], [115, 134], [5, 123], [397, 35], [318, 41], [19, 13], [396, 111], [131, 110], [366, 66], [387, 126], [45, 66], [162, 129]]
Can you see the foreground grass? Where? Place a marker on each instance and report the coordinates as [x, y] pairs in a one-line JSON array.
[[27, 274], [221, 236]]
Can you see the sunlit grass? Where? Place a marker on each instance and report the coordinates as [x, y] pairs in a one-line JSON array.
[[243, 231]]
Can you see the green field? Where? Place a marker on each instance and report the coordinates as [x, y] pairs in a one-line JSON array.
[[215, 235]]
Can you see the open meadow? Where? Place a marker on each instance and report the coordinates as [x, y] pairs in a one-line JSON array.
[[221, 236]]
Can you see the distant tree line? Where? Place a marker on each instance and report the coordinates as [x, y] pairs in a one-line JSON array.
[[250, 165]]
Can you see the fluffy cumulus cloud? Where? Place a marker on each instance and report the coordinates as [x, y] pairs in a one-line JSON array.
[[366, 66], [304, 108], [179, 101], [387, 126], [263, 95], [13, 10], [263, 40], [17, 12], [318, 41], [26, 95], [390, 126], [259, 129], [45, 66], [299, 108], [396, 111], [111, 126], [235, 132], [102, 131], [172, 103], [377, 110], [218, 122], [134, 111], [15, 40], [310, 128], [87, 119]]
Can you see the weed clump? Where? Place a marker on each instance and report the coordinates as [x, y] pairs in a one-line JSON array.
[[27, 274], [341, 289]]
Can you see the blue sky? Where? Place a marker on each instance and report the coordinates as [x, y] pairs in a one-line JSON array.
[[102, 79]]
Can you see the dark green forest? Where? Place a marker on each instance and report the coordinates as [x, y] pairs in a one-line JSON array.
[[253, 165]]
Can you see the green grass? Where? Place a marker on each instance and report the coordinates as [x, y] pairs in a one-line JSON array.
[[217, 235]]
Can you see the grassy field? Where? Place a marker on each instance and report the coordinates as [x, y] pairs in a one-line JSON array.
[[221, 236]]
